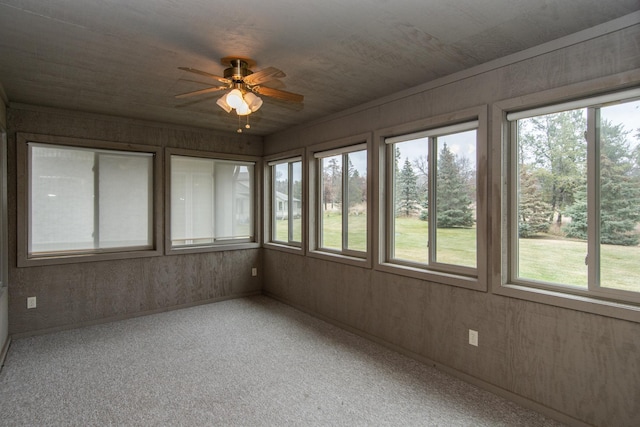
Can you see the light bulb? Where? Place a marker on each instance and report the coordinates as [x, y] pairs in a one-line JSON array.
[[222, 102], [234, 98], [243, 109], [253, 101]]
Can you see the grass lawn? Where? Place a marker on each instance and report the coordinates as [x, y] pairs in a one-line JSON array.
[[547, 259]]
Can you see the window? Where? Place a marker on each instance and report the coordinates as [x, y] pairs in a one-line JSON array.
[[575, 197], [341, 203], [286, 201], [432, 203], [212, 201], [82, 200]]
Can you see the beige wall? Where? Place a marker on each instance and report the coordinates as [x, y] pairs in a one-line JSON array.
[[4, 294], [580, 366], [74, 294]]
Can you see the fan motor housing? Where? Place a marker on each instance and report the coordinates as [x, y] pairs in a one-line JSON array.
[[238, 70]]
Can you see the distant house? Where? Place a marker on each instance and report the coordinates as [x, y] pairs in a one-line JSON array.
[[282, 206]]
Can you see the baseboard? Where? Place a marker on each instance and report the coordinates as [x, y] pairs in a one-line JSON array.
[[3, 352], [516, 398], [131, 315]]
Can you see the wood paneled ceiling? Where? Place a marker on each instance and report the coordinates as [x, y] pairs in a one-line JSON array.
[[121, 57]]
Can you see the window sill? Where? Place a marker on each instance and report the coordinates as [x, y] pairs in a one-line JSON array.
[[618, 310], [212, 248], [451, 279], [24, 261], [284, 248], [341, 258]]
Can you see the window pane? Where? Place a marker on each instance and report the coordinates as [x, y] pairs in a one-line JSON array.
[[84, 199], [211, 200], [281, 202], [62, 208], [456, 199], [620, 196], [125, 200], [191, 200], [296, 200], [235, 219], [410, 232], [357, 201], [331, 199], [551, 198]]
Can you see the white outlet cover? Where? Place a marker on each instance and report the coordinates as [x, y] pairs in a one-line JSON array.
[[473, 337], [31, 302]]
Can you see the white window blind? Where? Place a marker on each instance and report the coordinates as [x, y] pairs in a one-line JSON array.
[[211, 200], [84, 200]]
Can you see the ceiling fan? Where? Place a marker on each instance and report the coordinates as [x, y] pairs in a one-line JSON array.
[[243, 84]]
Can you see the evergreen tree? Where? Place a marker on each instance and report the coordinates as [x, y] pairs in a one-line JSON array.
[[534, 214], [619, 192], [407, 191], [332, 185], [453, 204], [357, 187]]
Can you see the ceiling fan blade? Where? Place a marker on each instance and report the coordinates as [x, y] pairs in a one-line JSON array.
[[201, 91], [265, 75], [204, 73], [279, 94]]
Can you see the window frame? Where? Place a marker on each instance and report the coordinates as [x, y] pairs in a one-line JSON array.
[[223, 245], [339, 146], [23, 202], [470, 278], [503, 254], [269, 162]]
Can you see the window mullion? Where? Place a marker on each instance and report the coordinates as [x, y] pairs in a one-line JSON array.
[[290, 202], [274, 202], [96, 200], [431, 199], [391, 195], [345, 201], [514, 191], [593, 198]]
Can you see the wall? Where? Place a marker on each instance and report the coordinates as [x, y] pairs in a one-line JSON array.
[[577, 366], [71, 295], [4, 294]]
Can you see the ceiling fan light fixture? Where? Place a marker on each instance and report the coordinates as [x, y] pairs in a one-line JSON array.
[[254, 102], [243, 109], [222, 102], [234, 98]]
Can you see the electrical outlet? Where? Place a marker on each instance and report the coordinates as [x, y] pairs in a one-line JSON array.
[[254, 271], [31, 302], [473, 337]]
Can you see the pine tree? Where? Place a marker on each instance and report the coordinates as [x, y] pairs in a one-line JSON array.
[[332, 186], [619, 193], [534, 214], [453, 204], [407, 191]]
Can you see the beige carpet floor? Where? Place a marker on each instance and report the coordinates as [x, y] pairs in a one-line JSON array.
[[248, 362]]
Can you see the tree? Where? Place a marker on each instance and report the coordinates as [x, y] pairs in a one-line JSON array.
[[619, 192], [453, 204], [407, 191], [555, 145], [357, 187], [332, 183], [421, 164], [534, 214]]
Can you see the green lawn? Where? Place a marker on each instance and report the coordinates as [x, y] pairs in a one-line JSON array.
[[547, 259], [282, 230]]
